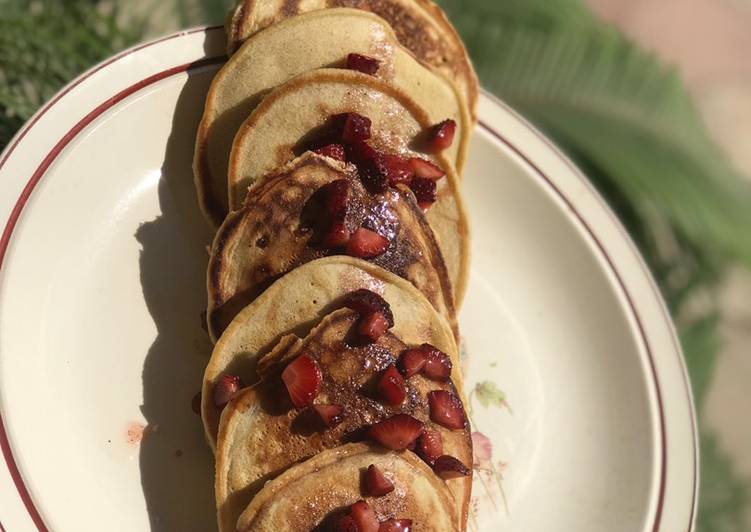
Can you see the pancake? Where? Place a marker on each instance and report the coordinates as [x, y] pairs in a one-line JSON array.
[[283, 222], [275, 55], [420, 25], [262, 434], [303, 496], [298, 301], [283, 122]]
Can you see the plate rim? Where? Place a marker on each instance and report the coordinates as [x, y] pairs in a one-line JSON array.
[[502, 137]]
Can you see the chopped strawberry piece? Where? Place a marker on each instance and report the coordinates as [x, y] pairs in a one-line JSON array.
[[426, 169], [376, 484], [396, 525], [364, 302], [397, 432], [391, 387], [412, 361], [442, 136], [335, 151], [367, 244], [363, 63], [344, 523], [352, 127], [372, 326], [360, 152], [394, 168], [337, 236], [437, 365], [303, 379], [331, 415], [425, 190], [364, 516], [374, 174], [446, 409], [225, 388], [430, 446], [449, 467], [336, 199]]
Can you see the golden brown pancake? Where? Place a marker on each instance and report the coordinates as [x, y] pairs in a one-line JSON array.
[[420, 25], [261, 434], [281, 124], [303, 497], [272, 57], [283, 222], [298, 301]]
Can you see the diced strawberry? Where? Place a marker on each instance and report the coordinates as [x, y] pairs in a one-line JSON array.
[[376, 484], [449, 467], [367, 244], [442, 136], [331, 415], [372, 326], [396, 525], [430, 446], [364, 302], [336, 199], [337, 236], [446, 409], [363, 63], [360, 152], [426, 169], [335, 151], [344, 523], [437, 365], [396, 169], [391, 387], [352, 126], [303, 379], [412, 361], [195, 403], [364, 516], [374, 174], [425, 190], [225, 388], [397, 432]]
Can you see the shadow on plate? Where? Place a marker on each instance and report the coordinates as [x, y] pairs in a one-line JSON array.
[[177, 467]]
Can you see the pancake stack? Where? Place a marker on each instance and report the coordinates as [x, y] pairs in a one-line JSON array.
[[329, 159]]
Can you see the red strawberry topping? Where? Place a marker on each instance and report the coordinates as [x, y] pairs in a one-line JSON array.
[[449, 467], [367, 244], [396, 525], [360, 152], [437, 365], [344, 523], [331, 415], [391, 387], [364, 516], [376, 484], [442, 136], [412, 361], [363, 63], [336, 199], [425, 190], [446, 409], [364, 302], [225, 388], [353, 127], [426, 169], [394, 168], [430, 446], [335, 151], [397, 432], [337, 236], [372, 326], [303, 379]]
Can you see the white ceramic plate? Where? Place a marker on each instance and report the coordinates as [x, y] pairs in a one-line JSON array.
[[577, 378]]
